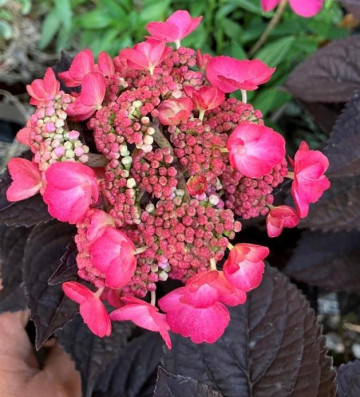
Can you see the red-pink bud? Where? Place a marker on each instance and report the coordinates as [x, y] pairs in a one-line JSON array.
[[71, 189], [244, 267], [26, 179], [255, 149], [202, 60], [174, 111], [196, 185], [205, 98]]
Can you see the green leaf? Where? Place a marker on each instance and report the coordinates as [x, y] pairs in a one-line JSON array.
[[96, 19], [5, 30], [237, 51], [25, 6], [154, 12], [249, 5], [274, 53], [231, 29], [63, 8], [270, 99], [50, 26]]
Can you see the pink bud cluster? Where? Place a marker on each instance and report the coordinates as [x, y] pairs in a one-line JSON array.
[[179, 162]]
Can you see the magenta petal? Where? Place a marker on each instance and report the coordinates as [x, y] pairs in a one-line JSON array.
[[269, 5], [96, 317], [307, 8], [76, 291]]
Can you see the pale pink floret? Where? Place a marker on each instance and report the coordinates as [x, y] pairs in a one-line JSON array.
[[255, 149], [245, 266], [71, 189], [174, 111], [179, 25], [44, 89], [145, 55], [304, 8], [205, 98], [280, 217], [201, 324], [92, 94], [92, 310], [113, 253], [82, 64], [309, 179], [230, 74], [144, 315], [26, 179]]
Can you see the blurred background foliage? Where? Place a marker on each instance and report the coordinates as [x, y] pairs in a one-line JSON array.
[[229, 27]]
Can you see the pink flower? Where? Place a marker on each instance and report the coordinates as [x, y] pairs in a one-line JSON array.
[[24, 135], [45, 89], [255, 149], [71, 188], [99, 220], [280, 217], [175, 28], [230, 74], [144, 315], [174, 111], [309, 179], [92, 94], [26, 179], [82, 64], [105, 64], [244, 267], [304, 8], [145, 55], [201, 324], [113, 253], [204, 289], [92, 310], [196, 185], [202, 60], [205, 98]]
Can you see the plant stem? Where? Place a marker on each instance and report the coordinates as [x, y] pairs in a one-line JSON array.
[[153, 298], [96, 160], [230, 246], [290, 175], [213, 264], [243, 96], [274, 21]]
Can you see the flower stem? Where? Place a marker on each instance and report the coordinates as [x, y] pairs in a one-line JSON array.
[[230, 246], [141, 250], [153, 298], [290, 175], [96, 160], [243, 96], [213, 264], [99, 292], [274, 21]]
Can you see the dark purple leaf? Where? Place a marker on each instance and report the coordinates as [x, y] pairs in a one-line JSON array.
[[50, 309], [332, 74], [272, 347], [169, 385], [352, 6], [90, 353], [63, 65], [15, 301], [338, 208], [343, 146], [133, 373], [12, 245], [27, 212], [348, 379], [327, 260], [67, 270]]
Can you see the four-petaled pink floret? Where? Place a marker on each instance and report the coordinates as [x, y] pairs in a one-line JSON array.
[[304, 8], [230, 74], [92, 310], [26, 179], [82, 64], [255, 149], [280, 217], [145, 55], [179, 25], [42, 90], [309, 179], [144, 315], [244, 267], [113, 253], [70, 190], [174, 111], [205, 98]]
